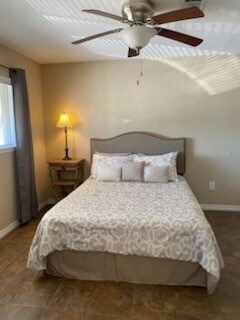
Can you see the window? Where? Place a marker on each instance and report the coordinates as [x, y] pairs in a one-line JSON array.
[[7, 127]]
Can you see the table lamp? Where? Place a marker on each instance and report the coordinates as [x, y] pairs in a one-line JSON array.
[[65, 123]]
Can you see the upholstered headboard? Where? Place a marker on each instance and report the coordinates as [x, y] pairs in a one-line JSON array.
[[142, 142]]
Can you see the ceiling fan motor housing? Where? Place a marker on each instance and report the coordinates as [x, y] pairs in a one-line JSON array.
[[137, 36], [138, 11]]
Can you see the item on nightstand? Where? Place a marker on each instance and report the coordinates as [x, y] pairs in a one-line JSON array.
[[65, 174], [65, 123]]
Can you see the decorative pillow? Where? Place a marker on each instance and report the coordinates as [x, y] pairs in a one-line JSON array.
[[109, 173], [132, 171], [113, 154], [156, 174], [114, 161], [168, 159]]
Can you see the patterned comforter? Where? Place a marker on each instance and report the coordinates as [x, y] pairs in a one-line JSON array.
[[129, 218]]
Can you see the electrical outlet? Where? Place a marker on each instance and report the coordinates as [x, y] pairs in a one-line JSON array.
[[211, 185]]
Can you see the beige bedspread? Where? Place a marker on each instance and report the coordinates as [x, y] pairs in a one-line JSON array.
[[129, 218]]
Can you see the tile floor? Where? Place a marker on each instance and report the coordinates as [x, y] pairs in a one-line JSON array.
[[23, 297]]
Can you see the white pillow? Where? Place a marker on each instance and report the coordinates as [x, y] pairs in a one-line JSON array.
[[109, 173], [121, 154], [156, 174], [168, 159], [114, 161], [132, 171]]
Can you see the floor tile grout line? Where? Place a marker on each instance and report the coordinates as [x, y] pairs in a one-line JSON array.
[[58, 286], [133, 300], [176, 304], [42, 309], [45, 307], [25, 250], [100, 314], [33, 305], [108, 316], [92, 299], [12, 261], [24, 305]]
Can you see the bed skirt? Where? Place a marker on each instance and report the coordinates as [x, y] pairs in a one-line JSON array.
[[103, 266]]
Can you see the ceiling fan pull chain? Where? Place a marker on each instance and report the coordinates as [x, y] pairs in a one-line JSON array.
[[138, 82], [141, 69]]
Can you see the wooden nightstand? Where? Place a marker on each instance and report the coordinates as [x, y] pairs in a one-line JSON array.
[[66, 175]]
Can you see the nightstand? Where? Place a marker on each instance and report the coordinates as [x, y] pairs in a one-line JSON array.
[[66, 175]]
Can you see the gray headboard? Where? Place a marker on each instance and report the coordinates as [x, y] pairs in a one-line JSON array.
[[142, 142]]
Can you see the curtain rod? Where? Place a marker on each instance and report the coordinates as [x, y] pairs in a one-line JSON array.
[[4, 67]]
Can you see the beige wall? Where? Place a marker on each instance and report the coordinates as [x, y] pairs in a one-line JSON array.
[[8, 203], [8, 212], [188, 97]]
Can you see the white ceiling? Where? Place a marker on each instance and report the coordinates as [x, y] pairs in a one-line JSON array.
[[44, 29]]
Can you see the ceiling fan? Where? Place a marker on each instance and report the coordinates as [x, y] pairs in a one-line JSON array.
[[143, 25]]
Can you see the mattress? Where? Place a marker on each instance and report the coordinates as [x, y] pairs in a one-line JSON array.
[[135, 219]]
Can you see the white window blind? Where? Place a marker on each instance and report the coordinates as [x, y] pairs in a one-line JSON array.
[[7, 127]]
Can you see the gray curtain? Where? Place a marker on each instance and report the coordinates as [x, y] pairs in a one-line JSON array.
[[26, 186]]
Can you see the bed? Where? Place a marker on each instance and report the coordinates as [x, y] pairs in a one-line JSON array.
[[125, 231]]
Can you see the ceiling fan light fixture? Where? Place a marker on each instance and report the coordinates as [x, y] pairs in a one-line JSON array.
[[137, 36]]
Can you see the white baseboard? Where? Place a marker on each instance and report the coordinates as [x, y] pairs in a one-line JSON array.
[[16, 223], [9, 228], [221, 207]]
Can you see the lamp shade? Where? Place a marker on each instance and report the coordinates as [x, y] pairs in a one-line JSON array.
[[137, 36], [64, 121]]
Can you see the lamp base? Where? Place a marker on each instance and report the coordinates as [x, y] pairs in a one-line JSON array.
[[67, 158], [66, 155]]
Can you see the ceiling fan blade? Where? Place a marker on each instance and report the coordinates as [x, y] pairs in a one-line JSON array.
[[178, 36], [133, 52], [95, 36], [105, 14], [177, 15]]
